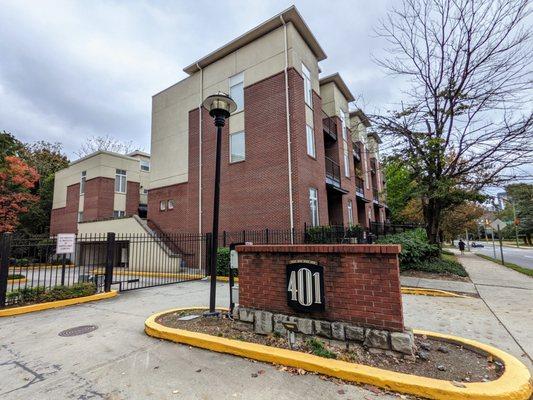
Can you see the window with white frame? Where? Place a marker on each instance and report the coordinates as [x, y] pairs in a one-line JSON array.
[[313, 205], [170, 204], [308, 88], [311, 148], [80, 216], [346, 163], [145, 165], [350, 212], [342, 117], [236, 90], [120, 181], [82, 181], [119, 214], [162, 205], [237, 147]]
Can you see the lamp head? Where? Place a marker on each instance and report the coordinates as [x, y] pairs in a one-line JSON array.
[[220, 106]]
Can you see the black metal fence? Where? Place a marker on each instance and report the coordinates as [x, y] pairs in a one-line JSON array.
[[30, 269]]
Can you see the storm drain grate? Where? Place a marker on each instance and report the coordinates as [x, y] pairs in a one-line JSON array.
[[78, 330]]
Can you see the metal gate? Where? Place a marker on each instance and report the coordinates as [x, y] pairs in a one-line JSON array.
[[31, 270]]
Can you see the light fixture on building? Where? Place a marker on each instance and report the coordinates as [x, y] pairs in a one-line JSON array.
[[220, 107]]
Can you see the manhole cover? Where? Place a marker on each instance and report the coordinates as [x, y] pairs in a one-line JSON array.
[[78, 330]]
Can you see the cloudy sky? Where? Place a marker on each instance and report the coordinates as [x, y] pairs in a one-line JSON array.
[[69, 70]]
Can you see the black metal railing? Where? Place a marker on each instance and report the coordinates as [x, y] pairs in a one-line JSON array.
[[373, 164], [329, 126], [375, 193], [333, 171], [31, 271]]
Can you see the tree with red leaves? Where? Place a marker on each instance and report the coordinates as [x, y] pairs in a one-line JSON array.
[[17, 179]]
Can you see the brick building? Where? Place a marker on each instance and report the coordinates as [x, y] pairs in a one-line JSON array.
[[293, 153], [102, 185]]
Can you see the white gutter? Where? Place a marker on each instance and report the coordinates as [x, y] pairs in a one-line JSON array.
[[289, 158], [200, 150]]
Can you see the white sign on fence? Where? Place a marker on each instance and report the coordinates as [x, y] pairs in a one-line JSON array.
[[498, 223], [65, 243]]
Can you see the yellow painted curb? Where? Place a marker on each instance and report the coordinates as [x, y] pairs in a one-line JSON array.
[[15, 281], [430, 292], [7, 312], [514, 384]]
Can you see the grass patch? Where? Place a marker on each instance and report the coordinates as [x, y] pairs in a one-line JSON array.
[[517, 268], [35, 295], [318, 349]]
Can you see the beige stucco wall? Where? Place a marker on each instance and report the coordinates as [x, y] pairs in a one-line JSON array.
[[102, 164], [145, 252], [258, 60], [333, 100]]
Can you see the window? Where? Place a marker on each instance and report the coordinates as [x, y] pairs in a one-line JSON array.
[[342, 117], [310, 141], [236, 147], [313, 204], [162, 205], [120, 181], [170, 204], [119, 214], [80, 216], [82, 181], [236, 90], [308, 89], [346, 164], [350, 212], [145, 165]]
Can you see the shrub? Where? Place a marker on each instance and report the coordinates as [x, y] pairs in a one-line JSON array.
[[318, 234], [223, 261], [437, 265], [40, 295], [415, 246], [16, 276], [318, 349]]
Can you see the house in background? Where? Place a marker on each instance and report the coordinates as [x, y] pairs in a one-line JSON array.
[[102, 185]]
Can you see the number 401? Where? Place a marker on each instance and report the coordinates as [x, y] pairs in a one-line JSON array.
[[296, 286]]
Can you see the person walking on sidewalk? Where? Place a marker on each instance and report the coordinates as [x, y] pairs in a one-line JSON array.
[[462, 246]]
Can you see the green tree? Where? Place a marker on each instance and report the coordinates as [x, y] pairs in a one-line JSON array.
[[521, 196], [464, 122], [400, 188]]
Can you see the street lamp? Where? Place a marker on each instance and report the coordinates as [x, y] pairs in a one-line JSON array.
[[220, 107]]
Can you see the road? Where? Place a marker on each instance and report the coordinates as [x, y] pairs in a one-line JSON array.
[[522, 256]]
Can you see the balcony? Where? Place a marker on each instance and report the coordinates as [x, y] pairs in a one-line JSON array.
[[375, 194], [359, 186], [329, 127], [357, 151], [333, 172], [373, 168]]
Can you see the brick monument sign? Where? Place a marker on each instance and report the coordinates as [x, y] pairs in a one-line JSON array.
[[344, 292]]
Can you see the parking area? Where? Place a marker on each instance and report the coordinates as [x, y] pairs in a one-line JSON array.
[[118, 361]]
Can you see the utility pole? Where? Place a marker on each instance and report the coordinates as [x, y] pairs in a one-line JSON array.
[[501, 247]]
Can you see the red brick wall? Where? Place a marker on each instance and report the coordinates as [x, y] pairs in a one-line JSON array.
[[99, 198], [361, 282], [65, 219], [307, 171], [132, 198]]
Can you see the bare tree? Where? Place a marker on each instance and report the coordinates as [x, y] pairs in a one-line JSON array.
[[466, 120], [105, 143]]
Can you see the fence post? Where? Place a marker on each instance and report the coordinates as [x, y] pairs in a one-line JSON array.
[[110, 261], [208, 238], [224, 238], [266, 231], [5, 249]]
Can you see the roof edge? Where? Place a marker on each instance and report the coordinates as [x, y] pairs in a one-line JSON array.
[[362, 116], [291, 14], [339, 82]]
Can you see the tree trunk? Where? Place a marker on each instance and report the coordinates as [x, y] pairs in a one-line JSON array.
[[432, 215]]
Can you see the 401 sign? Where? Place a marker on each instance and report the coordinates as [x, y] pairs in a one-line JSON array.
[[305, 286]]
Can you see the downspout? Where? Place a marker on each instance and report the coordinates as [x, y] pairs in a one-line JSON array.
[[287, 112], [200, 149]]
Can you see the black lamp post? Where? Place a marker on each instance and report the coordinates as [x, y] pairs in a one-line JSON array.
[[220, 106]]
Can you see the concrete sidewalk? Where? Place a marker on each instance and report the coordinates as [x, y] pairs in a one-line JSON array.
[[508, 294]]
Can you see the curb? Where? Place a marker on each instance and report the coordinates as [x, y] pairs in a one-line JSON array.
[[514, 384], [15, 281], [430, 292], [8, 312]]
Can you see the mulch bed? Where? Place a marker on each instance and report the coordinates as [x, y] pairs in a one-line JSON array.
[[434, 359], [432, 275]]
